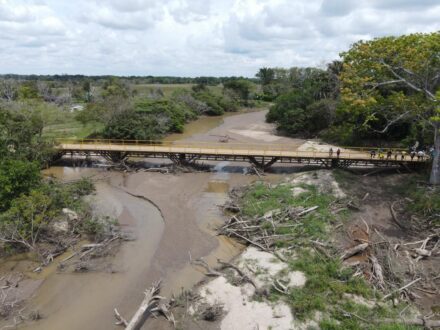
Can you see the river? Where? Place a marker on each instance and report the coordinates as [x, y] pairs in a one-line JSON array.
[[181, 223]]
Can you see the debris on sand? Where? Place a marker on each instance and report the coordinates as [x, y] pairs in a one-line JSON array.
[[240, 309]]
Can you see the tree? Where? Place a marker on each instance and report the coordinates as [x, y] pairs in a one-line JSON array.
[[241, 87], [266, 75], [21, 129], [8, 89], [27, 216], [403, 72], [16, 178]]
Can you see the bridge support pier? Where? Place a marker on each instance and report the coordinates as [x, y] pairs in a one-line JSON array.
[[183, 159], [262, 164], [115, 156]]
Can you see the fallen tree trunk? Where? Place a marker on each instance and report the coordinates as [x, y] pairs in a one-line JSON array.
[[150, 301]]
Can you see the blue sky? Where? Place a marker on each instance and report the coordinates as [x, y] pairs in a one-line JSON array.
[[194, 37]]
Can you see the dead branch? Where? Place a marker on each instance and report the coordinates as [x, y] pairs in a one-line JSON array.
[[311, 209], [164, 310], [394, 215], [249, 241], [121, 320], [402, 288], [204, 264], [354, 250], [238, 270]]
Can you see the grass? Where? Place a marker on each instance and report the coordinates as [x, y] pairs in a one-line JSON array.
[[425, 200], [71, 129], [328, 282], [262, 198]]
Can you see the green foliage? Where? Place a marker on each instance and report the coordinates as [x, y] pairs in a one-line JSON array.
[[30, 212], [21, 134], [326, 284], [26, 216], [149, 120], [28, 91], [266, 76], [241, 87], [92, 227], [216, 104], [424, 201], [297, 113], [115, 87], [261, 198], [390, 79], [306, 103], [17, 177]]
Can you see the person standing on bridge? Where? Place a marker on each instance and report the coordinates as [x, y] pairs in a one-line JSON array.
[[338, 152], [389, 154], [330, 152], [372, 154], [421, 155], [412, 155]]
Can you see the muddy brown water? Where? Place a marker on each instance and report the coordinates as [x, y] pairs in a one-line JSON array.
[[180, 225]]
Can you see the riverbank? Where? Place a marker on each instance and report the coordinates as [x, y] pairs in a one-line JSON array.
[[326, 251]]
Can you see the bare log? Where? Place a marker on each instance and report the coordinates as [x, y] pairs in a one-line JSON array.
[[354, 250], [150, 301]]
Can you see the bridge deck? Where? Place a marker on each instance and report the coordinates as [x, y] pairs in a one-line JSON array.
[[230, 151]]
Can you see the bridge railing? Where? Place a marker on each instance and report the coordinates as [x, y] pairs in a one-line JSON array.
[[244, 149], [219, 145]]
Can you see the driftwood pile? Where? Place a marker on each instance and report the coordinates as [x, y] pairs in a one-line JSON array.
[[263, 232], [393, 266]]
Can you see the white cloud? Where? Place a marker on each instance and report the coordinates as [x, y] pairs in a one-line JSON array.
[[194, 37]]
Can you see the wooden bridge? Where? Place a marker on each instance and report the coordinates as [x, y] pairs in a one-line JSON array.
[[261, 155]]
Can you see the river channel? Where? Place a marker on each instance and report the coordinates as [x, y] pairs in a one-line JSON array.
[[181, 223]]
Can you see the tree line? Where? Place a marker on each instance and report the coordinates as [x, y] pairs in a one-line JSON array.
[[383, 92]]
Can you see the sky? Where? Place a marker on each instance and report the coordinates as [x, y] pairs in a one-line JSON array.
[[195, 37]]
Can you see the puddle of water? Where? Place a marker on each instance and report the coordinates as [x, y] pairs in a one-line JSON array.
[[220, 187]]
